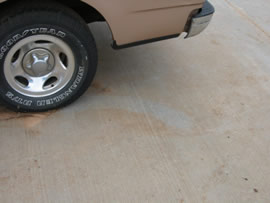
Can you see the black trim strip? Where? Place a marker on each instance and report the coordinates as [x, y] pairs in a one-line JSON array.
[[115, 46]]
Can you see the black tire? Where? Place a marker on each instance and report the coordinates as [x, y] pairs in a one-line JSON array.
[[31, 19]]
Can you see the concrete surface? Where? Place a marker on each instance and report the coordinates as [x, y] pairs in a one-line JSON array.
[[175, 121]]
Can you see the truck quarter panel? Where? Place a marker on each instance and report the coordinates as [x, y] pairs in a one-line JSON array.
[[137, 20]]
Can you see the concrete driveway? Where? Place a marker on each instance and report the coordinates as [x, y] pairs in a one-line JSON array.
[[175, 121]]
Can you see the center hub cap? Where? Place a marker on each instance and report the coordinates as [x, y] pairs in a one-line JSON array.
[[38, 62]]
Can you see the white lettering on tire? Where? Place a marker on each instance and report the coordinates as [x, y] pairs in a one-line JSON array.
[[67, 93], [19, 100], [17, 37]]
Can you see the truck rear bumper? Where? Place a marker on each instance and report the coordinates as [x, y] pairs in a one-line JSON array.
[[201, 20]]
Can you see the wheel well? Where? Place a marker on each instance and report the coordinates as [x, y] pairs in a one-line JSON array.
[[87, 12]]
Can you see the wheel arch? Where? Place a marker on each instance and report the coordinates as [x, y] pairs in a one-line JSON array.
[[89, 10]]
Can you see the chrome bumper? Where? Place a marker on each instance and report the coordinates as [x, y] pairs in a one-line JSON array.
[[201, 20]]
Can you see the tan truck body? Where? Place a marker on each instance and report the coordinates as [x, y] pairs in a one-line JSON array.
[[137, 20]]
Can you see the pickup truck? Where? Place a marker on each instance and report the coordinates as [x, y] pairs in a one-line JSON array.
[[48, 55]]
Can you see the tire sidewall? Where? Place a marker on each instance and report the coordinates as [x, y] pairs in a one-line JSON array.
[[65, 95]]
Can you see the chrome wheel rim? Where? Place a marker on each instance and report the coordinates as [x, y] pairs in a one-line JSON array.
[[39, 66]]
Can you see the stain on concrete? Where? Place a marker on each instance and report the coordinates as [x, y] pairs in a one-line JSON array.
[[29, 119], [219, 171], [32, 132], [215, 42], [7, 115], [147, 124], [36, 164], [4, 179], [218, 112], [100, 88], [170, 116], [246, 17], [255, 38], [255, 190]]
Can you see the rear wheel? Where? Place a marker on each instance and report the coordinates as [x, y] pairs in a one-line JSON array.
[[48, 57]]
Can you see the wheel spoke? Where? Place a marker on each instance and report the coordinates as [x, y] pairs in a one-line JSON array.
[[53, 48], [17, 69], [16, 65], [36, 84], [59, 69], [27, 47]]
